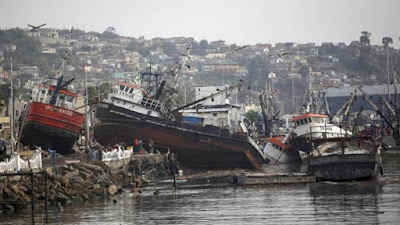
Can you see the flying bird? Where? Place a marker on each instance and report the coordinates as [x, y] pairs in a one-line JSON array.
[[238, 49], [36, 27], [284, 53]]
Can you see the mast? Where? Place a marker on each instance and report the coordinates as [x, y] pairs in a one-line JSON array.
[[12, 109]]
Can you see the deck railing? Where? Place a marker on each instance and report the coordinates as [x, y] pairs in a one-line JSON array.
[[16, 164], [116, 154]]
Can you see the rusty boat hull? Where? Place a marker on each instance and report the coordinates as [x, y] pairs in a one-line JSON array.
[[195, 146], [50, 127]]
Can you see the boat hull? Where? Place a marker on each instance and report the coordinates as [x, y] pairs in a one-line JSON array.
[[195, 146], [50, 127], [286, 156], [338, 167]]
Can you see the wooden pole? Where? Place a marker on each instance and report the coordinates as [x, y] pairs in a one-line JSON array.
[[32, 200], [45, 193]]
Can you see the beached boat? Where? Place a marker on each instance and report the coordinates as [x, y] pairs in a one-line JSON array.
[[345, 158], [128, 114], [278, 151], [50, 119]]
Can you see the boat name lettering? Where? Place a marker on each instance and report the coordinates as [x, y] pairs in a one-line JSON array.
[[60, 110]]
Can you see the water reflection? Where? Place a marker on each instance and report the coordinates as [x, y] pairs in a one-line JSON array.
[[341, 202], [368, 202]]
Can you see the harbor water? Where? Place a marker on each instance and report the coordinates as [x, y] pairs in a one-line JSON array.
[[364, 202]]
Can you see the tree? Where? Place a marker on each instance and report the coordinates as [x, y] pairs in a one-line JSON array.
[[364, 39], [386, 41], [169, 48], [132, 46], [4, 95], [109, 33], [252, 116], [203, 47], [144, 52]]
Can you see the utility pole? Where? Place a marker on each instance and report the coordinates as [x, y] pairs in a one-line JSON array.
[[293, 103], [86, 111], [388, 70], [12, 109]]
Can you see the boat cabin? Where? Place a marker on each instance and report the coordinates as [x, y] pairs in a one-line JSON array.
[[65, 98], [310, 118], [277, 142], [129, 90]]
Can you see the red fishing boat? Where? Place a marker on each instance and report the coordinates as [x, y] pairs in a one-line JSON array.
[[50, 119]]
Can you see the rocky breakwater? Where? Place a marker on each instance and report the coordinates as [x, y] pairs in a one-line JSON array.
[[75, 182]]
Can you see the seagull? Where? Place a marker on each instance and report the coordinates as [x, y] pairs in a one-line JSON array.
[[285, 53], [243, 47], [36, 27]]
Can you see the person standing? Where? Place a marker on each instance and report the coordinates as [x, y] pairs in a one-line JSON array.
[[151, 146], [136, 146]]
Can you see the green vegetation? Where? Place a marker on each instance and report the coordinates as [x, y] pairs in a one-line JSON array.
[[252, 116]]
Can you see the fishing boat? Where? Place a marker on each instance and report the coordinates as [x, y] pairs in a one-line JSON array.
[[345, 159], [50, 120], [277, 150], [130, 112]]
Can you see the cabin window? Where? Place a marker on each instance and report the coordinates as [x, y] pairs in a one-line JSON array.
[[50, 92], [309, 120], [70, 98], [43, 92], [121, 87], [301, 122], [130, 90]]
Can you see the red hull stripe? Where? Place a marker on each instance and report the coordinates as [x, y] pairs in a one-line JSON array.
[[55, 116], [308, 115]]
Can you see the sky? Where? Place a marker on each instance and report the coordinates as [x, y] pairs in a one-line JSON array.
[[236, 21]]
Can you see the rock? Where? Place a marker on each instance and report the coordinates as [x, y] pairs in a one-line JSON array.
[[95, 186], [93, 168], [85, 175], [77, 199], [50, 173], [71, 174], [10, 194], [93, 196], [1, 191], [78, 188], [103, 166], [78, 179], [9, 208], [120, 190], [23, 188], [13, 187], [112, 189], [85, 196], [99, 191], [65, 182], [61, 197]]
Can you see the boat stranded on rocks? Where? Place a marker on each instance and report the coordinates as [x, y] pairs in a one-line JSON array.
[[50, 119]]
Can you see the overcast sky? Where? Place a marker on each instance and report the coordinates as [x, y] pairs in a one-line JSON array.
[[241, 22]]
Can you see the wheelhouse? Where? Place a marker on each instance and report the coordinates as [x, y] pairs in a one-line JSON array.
[[65, 98]]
